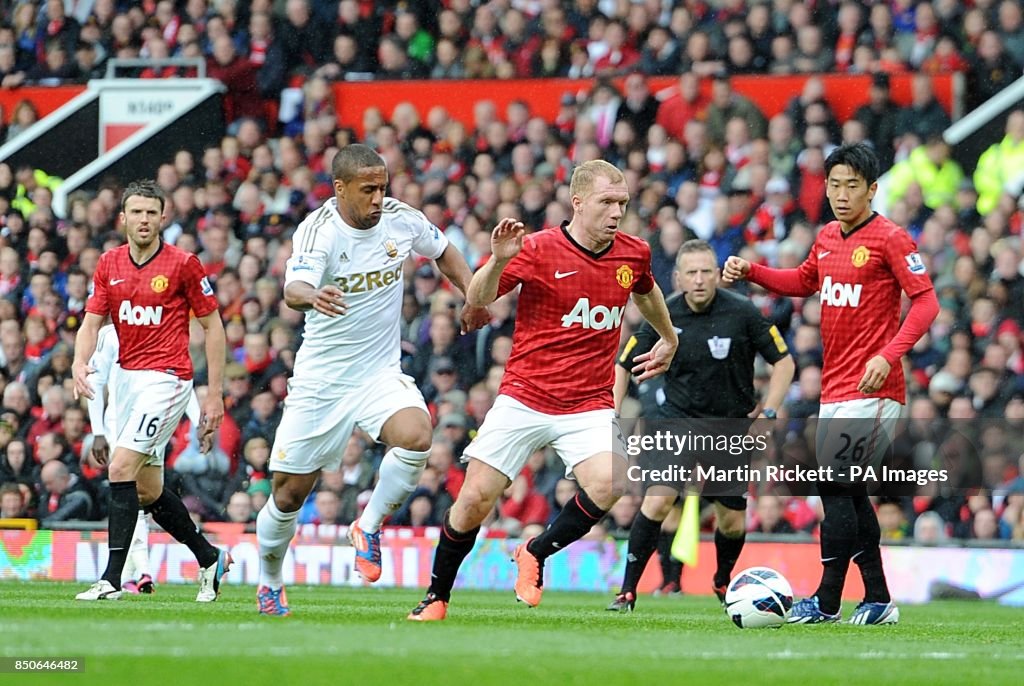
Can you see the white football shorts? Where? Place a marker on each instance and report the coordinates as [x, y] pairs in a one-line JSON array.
[[856, 432], [511, 432], [319, 417], [149, 406]]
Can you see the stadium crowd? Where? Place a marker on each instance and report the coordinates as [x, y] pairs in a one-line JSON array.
[[714, 168]]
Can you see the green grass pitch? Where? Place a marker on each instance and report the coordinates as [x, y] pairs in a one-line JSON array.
[[344, 636]]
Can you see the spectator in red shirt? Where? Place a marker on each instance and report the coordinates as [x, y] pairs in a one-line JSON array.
[[238, 74], [682, 105], [524, 505]]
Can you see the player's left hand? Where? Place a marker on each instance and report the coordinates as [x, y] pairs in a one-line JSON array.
[[80, 373], [100, 453], [876, 372], [213, 415], [474, 318], [655, 361]]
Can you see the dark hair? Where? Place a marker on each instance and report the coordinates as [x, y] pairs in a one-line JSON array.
[[860, 157], [143, 188], [351, 159]]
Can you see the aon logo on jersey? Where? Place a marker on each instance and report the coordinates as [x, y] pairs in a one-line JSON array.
[[597, 317], [840, 294], [140, 316]]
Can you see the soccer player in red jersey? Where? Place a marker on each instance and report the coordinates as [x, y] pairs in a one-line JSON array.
[[148, 289], [860, 264], [557, 388]]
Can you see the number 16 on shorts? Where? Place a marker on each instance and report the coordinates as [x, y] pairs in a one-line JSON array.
[[148, 426]]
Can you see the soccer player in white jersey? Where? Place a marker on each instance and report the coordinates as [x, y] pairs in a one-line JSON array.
[[345, 272], [136, 577]]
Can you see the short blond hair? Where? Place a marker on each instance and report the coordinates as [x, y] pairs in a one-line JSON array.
[[583, 176]]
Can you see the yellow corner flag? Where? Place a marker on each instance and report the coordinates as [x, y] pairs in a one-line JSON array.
[[684, 545]]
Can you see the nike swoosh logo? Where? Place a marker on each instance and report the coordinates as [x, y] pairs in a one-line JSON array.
[[562, 275], [678, 330], [823, 255], [114, 282]]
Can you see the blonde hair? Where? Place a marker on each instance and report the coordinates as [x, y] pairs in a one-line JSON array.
[[584, 176]]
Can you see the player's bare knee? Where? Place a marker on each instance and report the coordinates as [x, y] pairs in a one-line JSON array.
[[730, 529], [417, 442], [149, 490], [121, 471], [604, 494], [472, 507], [731, 522], [657, 507], [289, 498]]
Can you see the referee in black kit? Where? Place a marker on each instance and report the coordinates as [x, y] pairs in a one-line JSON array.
[[711, 377]]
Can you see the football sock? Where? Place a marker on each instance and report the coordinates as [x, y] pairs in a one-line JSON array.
[[869, 556], [452, 548], [400, 472], [572, 523], [727, 551], [674, 568], [170, 513], [138, 554], [643, 539], [665, 555], [124, 504], [838, 537], [274, 531]]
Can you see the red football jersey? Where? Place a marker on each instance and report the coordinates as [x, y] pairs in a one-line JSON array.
[[567, 324], [860, 277], [150, 304]]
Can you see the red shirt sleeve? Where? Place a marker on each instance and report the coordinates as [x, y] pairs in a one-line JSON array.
[[905, 263], [198, 291], [800, 282], [644, 283], [99, 299], [518, 270], [924, 308]]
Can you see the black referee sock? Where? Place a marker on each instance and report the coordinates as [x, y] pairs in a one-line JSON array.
[[170, 513], [671, 568], [452, 548], [838, 538], [869, 555], [643, 539], [124, 512], [572, 523], [727, 551]]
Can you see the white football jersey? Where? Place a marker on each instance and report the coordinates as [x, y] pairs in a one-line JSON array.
[[104, 361], [367, 266]]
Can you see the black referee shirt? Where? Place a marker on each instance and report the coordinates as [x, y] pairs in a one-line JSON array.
[[712, 374]]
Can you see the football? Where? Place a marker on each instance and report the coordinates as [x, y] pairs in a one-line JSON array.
[[758, 597]]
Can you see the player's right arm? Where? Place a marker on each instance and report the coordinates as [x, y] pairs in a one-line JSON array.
[[506, 243], [97, 307], [304, 273], [657, 360], [101, 362], [800, 282], [85, 346]]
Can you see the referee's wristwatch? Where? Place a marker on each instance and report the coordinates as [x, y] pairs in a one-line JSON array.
[[769, 413]]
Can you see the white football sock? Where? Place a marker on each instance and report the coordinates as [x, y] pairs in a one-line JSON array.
[[274, 531], [137, 563], [400, 472], [138, 553]]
